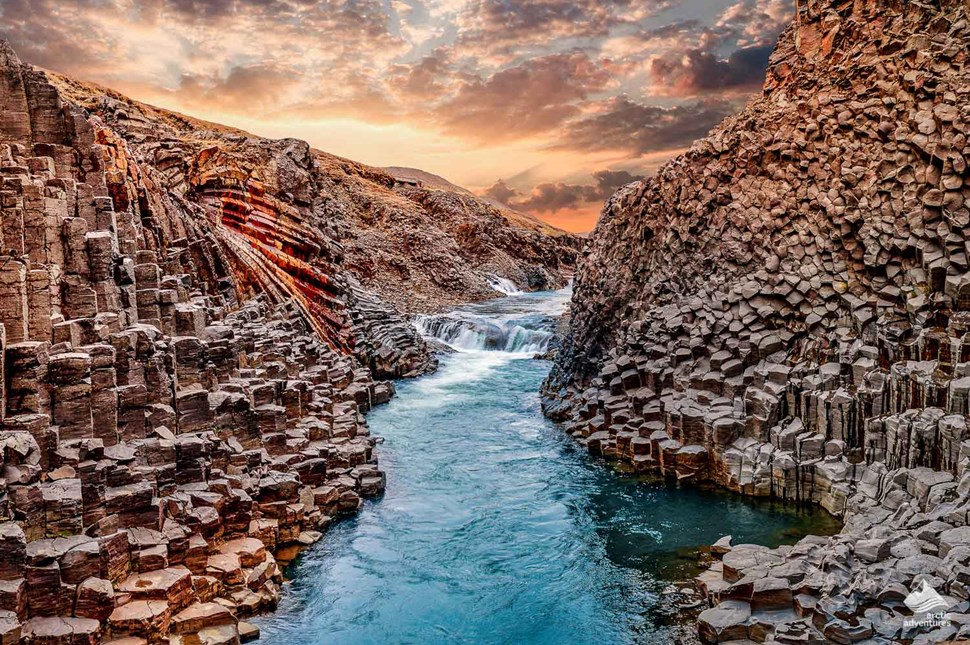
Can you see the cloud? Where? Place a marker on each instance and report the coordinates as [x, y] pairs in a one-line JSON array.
[[553, 197], [194, 35], [500, 30], [623, 124], [197, 10], [45, 33], [507, 23], [501, 192], [609, 181], [428, 79], [534, 97], [755, 22], [249, 88], [697, 72], [642, 44], [691, 58], [562, 88]]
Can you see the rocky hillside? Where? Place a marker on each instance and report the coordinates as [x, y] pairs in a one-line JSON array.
[[430, 246], [783, 310], [423, 247], [522, 220], [188, 345]]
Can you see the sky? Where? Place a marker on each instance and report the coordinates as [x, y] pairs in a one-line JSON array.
[[547, 106]]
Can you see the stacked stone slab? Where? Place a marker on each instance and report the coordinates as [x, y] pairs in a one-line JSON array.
[[904, 527], [385, 344], [181, 400], [783, 310]]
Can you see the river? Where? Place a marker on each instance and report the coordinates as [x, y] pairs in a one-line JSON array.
[[496, 527]]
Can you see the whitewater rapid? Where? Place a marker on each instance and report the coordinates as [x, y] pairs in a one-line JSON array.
[[522, 325], [468, 332], [504, 286]]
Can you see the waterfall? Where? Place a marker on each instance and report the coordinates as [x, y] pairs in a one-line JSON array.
[[468, 332], [503, 285]]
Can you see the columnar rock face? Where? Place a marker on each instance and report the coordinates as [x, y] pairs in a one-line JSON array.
[[180, 397], [186, 358], [784, 309]]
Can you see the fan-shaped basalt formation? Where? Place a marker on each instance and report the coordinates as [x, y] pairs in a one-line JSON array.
[[186, 356], [783, 310], [420, 247], [178, 399]]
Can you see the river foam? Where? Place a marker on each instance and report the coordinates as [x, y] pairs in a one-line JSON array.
[[504, 286], [464, 331]]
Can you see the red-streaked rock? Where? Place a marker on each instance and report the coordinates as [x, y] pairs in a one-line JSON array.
[[95, 599]]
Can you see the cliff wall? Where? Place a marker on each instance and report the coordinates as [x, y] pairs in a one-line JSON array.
[[187, 350], [783, 310]]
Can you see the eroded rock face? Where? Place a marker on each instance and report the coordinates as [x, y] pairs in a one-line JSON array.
[[783, 311], [427, 249], [186, 358], [287, 214]]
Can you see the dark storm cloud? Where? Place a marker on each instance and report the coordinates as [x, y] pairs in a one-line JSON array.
[[696, 72], [608, 181], [642, 129]]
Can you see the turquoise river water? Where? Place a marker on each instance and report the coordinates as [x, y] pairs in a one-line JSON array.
[[496, 527]]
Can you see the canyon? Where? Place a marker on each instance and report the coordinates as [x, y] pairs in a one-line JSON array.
[[194, 322], [497, 528], [783, 311]]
